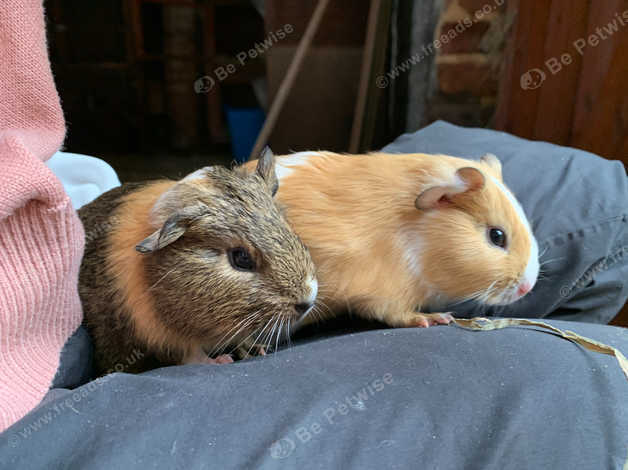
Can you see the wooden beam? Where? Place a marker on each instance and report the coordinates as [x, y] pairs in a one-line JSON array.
[[288, 81], [374, 91], [215, 122]]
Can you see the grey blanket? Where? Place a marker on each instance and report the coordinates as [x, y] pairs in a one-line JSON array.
[[437, 398]]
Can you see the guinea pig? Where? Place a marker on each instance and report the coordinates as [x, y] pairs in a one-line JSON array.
[[174, 271], [393, 234]]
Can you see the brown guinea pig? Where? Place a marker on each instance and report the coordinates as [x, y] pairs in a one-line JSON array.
[[174, 271], [392, 234]]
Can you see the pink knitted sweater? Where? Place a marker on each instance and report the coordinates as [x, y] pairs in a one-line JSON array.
[[41, 238]]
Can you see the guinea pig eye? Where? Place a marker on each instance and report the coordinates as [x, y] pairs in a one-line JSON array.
[[497, 237], [241, 259]]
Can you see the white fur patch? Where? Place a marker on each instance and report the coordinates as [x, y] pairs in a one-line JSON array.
[[197, 175], [284, 165], [532, 267], [411, 246], [313, 284], [513, 201]]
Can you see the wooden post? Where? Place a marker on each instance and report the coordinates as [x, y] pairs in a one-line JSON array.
[[180, 72], [365, 76], [214, 99]]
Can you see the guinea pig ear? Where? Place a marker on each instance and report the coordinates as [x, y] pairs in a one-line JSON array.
[[465, 179], [493, 162], [170, 232], [172, 228], [266, 169]]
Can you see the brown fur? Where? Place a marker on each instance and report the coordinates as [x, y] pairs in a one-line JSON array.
[[127, 268], [353, 213], [184, 296]]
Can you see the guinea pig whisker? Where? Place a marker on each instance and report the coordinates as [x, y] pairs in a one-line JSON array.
[[466, 299], [475, 296], [322, 302], [240, 326], [266, 335], [481, 296], [263, 335], [272, 332], [320, 316], [489, 292], [321, 313], [276, 331], [551, 261], [235, 348], [283, 331], [289, 332], [264, 341], [316, 313], [312, 313], [544, 251], [257, 338], [286, 332], [220, 348], [278, 334]]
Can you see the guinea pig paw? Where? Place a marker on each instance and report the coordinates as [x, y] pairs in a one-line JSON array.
[[252, 350], [202, 358], [425, 320], [443, 318], [222, 359]]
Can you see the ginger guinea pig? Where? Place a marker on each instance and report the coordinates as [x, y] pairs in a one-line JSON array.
[[392, 234], [174, 271]]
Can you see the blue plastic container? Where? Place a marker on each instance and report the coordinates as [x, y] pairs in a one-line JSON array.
[[245, 125]]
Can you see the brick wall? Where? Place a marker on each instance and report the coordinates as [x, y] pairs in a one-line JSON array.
[[469, 39]]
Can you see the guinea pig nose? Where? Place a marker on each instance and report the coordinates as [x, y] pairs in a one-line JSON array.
[[523, 289], [302, 308]]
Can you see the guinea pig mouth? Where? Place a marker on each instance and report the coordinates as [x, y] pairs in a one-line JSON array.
[[510, 295]]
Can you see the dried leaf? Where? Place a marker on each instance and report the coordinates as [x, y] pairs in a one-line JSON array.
[[486, 324]]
